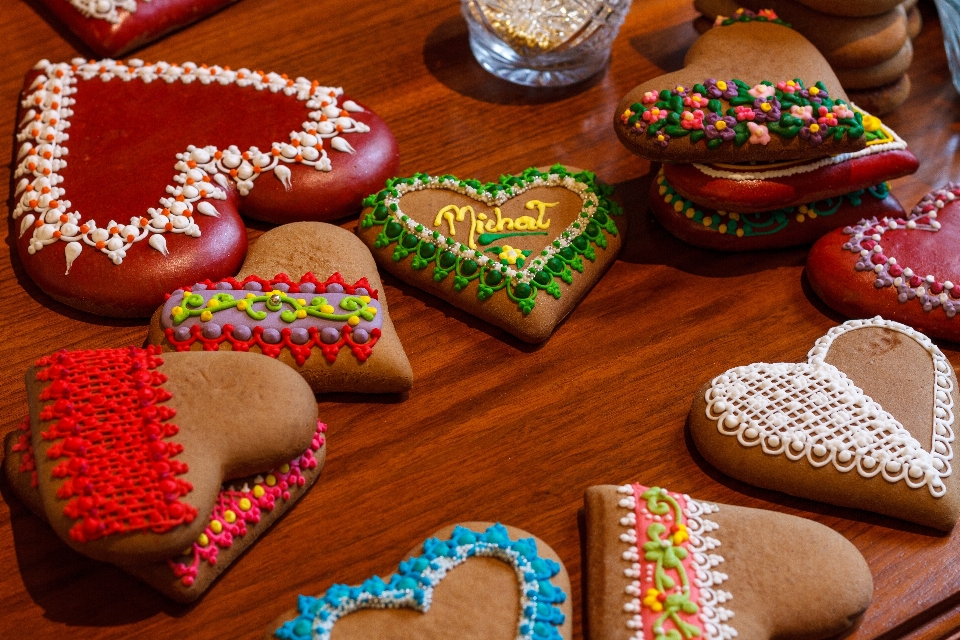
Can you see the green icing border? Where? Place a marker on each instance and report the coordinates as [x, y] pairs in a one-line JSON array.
[[555, 263]]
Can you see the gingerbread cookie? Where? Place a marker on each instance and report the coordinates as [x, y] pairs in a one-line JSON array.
[[866, 422], [751, 91], [472, 581], [114, 27], [103, 460], [883, 99], [901, 267], [519, 253], [189, 145], [336, 331], [886, 72], [664, 565]]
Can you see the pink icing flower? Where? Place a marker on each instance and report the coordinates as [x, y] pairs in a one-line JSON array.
[[650, 97], [744, 113], [789, 86], [842, 111], [696, 100], [759, 134], [692, 119], [804, 113], [762, 91], [652, 115], [769, 14], [826, 117]]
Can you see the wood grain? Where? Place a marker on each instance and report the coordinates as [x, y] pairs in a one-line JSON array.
[[493, 429]]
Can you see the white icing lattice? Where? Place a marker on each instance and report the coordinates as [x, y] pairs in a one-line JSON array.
[[708, 579], [813, 410], [105, 9], [202, 173]]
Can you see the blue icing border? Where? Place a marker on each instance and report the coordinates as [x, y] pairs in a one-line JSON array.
[[413, 583]]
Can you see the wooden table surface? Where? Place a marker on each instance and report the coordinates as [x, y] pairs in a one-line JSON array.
[[493, 429]]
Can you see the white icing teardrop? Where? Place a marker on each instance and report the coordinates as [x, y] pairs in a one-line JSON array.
[[350, 105], [342, 145], [158, 242], [208, 209], [71, 251], [25, 148], [283, 174], [27, 222], [20, 187]]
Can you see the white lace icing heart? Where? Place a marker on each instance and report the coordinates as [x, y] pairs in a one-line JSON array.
[[814, 410]]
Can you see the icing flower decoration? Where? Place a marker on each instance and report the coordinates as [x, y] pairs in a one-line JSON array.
[[759, 134], [680, 533], [762, 91], [509, 254], [720, 127], [720, 88], [790, 86], [650, 97], [680, 90], [871, 123], [662, 139], [814, 132], [696, 100], [626, 115], [654, 114], [827, 117], [769, 14], [654, 599], [804, 113], [815, 94], [640, 126], [766, 110], [744, 113], [843, 111], [692, 119]]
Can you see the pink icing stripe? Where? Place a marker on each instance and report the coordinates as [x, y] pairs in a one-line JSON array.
[[650, 616]]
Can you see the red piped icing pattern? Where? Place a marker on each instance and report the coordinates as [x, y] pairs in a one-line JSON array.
[[300, 351], [236, 509], [112, 431], [27, 462]]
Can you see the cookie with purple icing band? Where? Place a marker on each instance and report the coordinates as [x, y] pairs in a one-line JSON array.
[[335, 329], [122, 456], [866, 422], [664, 565]]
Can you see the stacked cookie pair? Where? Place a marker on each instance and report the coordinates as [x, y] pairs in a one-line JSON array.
[[868, 44], [761, 146]]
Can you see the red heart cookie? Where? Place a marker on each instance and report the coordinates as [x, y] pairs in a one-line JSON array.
[[186, 146], [899, 267], [113, 27]]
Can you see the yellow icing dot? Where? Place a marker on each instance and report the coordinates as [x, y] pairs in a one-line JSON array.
[[301, 302], [326, 309], [668, 198], [707, 221], [353, 321], [271, 480], [229, 516], [242, 305], [691, 212], [739, 233], [720, 125], [802, 208], [766, 106], [203, 540], [177, 311], [187, 551], [213, 304], [814, 91], [678, 206], [801, 217], [365, 299], [251, 295], [284, 468], [372, 310], [663, 189], [206, 315], [216, 526], [258, 491], [680, 88], [734, 216], [244, 504], [301, 313], [812, 215], [722, 228], [721, 85], [814, 127]]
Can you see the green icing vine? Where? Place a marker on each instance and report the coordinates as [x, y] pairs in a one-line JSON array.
[[767, 222], [555, 263], [195, 304], [745, 15]]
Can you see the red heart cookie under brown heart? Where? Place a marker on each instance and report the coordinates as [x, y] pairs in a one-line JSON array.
[[473, 581], [866, 422], [131, 449], [662, 565], [113, 27], [160, 158], [336, 331], [898, 267]]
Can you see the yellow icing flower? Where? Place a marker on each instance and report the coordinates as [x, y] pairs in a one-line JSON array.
[[680, 534], [652, 600], [871, 123], [509, 254]]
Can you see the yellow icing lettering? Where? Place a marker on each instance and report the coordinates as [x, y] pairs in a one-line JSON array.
[[501, 221], [481, 223], [450, 212], [541, 207]]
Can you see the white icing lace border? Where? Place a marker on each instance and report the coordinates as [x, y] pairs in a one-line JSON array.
[[896, 144], [105, 9], [708, 579], [42, 132]]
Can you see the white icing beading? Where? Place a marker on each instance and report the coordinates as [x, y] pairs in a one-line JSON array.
[[895, 143], [813, 410], [564, 239], [702, 546], [202, 172], [105, 9]]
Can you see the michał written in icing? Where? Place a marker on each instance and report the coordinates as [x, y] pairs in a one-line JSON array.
[[486, 229]]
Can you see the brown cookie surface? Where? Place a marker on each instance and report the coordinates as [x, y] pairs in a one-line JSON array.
[[866, 422], [645, 544], [330, 321], [884, 99]]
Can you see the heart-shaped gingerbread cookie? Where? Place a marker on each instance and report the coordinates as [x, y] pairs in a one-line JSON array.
[[899, 267], [472, 581], [751, 91], [335, 332], [147, 198], [519, 253], [664, 566], [113, 27], [866, 422], [118, 478]]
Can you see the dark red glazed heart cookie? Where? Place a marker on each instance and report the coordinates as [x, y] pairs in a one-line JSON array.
[[902, 268], [129, 176]]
